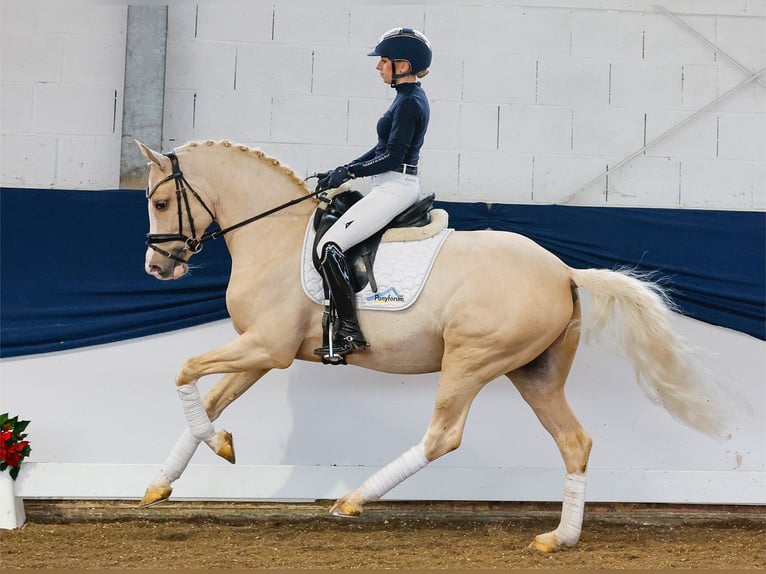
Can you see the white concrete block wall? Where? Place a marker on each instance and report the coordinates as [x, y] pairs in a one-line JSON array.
[[529, 103], [580, 84], [61, 82]]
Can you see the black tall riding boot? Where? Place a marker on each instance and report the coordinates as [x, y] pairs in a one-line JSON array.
[[347, 337]]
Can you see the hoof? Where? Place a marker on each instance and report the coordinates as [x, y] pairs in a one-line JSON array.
[[223, 445], [155, 495], [545, 543], [345, 509]]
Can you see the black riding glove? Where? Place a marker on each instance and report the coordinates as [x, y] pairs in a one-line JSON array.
[[333, 179]]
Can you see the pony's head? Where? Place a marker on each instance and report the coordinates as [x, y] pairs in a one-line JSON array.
[[178, 215]]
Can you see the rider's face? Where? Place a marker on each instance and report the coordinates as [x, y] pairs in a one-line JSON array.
[[385, 69]]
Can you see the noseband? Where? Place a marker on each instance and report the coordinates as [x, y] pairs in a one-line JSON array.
[[193, 244]]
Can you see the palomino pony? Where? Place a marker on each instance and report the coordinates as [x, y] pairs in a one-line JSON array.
[[462, 325]]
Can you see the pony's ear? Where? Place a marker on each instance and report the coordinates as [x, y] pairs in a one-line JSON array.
[[153, 156]]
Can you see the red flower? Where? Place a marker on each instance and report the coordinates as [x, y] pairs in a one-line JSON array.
[[13, 448]]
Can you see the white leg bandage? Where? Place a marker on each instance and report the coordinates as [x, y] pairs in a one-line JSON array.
[[394, 473], [196, 417], [179, 457], [568, 531]]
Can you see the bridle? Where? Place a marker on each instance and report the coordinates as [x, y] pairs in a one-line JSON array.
[[193, 244]]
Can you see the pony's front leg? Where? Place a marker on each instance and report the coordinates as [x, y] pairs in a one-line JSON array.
[[200, 425], [242, 354], [220, 396]]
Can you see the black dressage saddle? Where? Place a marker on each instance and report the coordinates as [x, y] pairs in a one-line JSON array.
[[361, 256]]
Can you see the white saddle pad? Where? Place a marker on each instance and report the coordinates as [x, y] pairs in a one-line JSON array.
[[401, 269]]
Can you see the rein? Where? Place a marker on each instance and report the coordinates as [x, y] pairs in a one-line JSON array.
[[194, 244]]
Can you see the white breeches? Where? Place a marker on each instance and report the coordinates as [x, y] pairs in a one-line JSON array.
[[392, 192]]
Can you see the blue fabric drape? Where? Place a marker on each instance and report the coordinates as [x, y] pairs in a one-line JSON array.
[[72, 273], [712, 262], [71, 263]]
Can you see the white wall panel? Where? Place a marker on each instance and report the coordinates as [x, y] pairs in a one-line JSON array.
[[305, 119], [505, 177], [610, 132], [470, 30], [742, 136], [28, 160], [759, 188], [363, 115], [82, 166], [94, 115], [665, 41], [544, 129], [178, 122], [228, 22], [444, 134], [556, 175], [607, 35], [697, 139], [704, 182], [368, 21], [743, 39], [100, 53], [507, 79], [31, 58], [340, 72], [572, 82], [294, 23], [441, 167], [274, 69], [537, 32], [182, 20], [479, 125], [699, 85], [16, 108], [89, 19], [194, 65], [646, 181], [646, 85], [750, 99], [446, 80]]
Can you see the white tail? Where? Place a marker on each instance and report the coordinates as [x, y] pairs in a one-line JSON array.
[[668, 370]]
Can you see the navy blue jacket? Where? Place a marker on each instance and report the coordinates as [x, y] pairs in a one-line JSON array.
[[401, 131]]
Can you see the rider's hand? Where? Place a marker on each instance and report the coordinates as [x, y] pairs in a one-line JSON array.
[[333, 179]]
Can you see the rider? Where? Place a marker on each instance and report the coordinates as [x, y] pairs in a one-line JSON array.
[[405, 56]]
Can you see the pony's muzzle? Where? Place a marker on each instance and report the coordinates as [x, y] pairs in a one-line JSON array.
[[164, 267]]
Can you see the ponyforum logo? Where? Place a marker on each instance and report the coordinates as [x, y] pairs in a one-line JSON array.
[[390, 295]]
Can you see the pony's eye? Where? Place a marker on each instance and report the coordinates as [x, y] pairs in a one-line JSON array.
[[161, 204]]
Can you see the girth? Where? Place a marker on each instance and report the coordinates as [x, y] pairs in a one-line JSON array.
[[361, 256]]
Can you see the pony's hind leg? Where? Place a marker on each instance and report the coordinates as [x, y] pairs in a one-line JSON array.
[[459, 384], [541, 384], [218, 398]]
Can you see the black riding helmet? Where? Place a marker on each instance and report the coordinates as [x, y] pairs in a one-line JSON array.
[[408, 45]]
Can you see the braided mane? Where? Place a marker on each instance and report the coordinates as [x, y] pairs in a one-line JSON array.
[[253, 152]]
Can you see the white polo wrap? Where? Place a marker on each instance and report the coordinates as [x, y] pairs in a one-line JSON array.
[[394, 473], [179, 457], [568, 531], [196, 417]]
